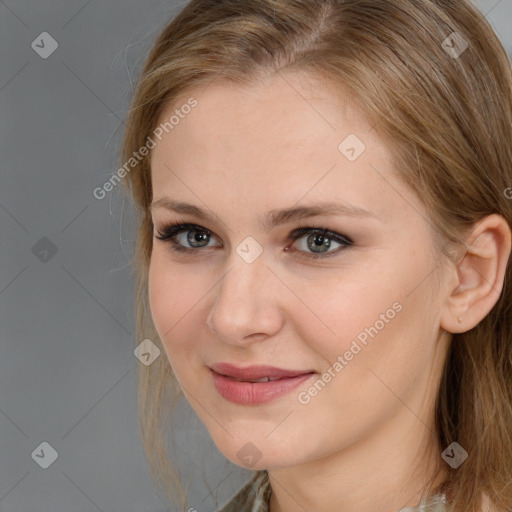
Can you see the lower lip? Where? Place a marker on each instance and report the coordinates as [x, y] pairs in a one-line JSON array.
[[254, 393]]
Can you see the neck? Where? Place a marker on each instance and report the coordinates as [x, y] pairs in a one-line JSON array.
[[391, 469]]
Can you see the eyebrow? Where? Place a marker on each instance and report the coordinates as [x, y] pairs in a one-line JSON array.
[[274, 217]]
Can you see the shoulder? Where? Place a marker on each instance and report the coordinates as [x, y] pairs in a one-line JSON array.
[[252, 497]]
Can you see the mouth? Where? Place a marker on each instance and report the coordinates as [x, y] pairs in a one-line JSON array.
[[263, 379], [257, 391], [256, 373]]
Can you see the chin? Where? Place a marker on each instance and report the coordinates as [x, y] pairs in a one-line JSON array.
[[252, 456]]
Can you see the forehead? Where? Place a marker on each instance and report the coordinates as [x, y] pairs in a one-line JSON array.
[[271, 144], [283, 111]]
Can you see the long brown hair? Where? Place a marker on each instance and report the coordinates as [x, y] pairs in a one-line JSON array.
[[445, 108]]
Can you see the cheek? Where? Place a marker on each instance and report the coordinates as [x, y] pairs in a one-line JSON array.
[[328, 311], [343, 306], [171, 296], [168, 301], [370, 316], [178, 296], [160, 284]]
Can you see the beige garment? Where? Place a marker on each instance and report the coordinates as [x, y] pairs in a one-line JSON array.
[[254, 496]]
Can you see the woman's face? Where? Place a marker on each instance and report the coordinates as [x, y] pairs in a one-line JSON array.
[[364, 316]]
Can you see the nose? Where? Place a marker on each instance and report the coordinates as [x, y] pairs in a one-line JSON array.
[[247, 304]]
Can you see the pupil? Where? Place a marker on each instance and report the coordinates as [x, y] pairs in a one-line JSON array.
[[321, 241], [198, 237]]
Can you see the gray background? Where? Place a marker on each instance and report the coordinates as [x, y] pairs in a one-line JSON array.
[[67, 369]]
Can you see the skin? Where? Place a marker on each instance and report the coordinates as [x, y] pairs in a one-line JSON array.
[[368, 436]]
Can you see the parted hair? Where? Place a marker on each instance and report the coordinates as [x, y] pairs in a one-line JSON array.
[[446, 114]]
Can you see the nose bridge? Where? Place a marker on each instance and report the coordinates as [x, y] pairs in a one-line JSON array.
[[245, 301]]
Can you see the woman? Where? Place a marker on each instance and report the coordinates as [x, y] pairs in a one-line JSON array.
[[323, 250]]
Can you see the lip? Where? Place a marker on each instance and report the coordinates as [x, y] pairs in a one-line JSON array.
[[254, 393], [256, 372]]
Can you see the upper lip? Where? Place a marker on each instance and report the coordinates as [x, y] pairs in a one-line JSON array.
[[255, 372]]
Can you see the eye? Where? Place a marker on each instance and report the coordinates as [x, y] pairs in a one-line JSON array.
[[184, 237], [192, 234], [319, 241]]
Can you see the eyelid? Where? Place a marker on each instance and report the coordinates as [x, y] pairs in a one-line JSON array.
[[173, 229], [322, 231]]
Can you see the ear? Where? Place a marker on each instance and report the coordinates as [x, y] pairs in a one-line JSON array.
[[479, 275]]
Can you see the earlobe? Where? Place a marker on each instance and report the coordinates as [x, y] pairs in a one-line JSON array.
[[480, 275]]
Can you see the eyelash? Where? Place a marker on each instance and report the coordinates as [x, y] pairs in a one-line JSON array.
[[171, 230]]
